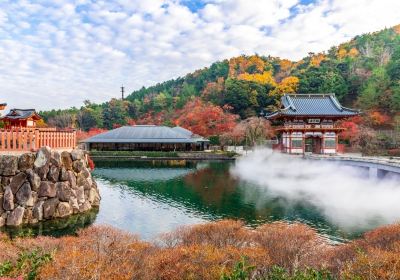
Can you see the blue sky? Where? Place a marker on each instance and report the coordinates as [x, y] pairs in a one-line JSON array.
[[57, 53]]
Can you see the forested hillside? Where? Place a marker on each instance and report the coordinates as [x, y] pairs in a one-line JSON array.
[[364, 73]]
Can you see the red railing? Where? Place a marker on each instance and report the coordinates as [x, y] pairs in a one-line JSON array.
[[18, 139]]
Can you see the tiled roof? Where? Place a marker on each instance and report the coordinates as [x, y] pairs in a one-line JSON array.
[[312, 105], [21, 114], [143, 134]]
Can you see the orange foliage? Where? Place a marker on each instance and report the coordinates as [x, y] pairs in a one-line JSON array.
[[379, 118], [342, 53], [351, 130], [317, 59], [82, 135], [263, 78], [285, 65], [397, 29], [205, 119], [353, 52], [241, 64]]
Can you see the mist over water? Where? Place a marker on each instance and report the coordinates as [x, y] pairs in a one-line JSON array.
[[345, 195]]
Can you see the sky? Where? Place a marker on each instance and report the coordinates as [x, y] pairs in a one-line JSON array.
[[58, 53]]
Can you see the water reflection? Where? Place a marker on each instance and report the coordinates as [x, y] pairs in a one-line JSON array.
[[56, 228], [154, 197]]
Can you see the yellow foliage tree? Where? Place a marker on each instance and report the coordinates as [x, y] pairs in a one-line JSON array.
[[264, 78], [317, 59], [287, 85], [353, 52], [342, 53]]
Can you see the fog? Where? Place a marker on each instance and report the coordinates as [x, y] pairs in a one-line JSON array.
[[344, 195]]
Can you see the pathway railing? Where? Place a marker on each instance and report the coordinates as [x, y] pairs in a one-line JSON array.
[[20, 139]]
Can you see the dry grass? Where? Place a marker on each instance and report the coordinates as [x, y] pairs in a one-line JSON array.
[[205, 251]]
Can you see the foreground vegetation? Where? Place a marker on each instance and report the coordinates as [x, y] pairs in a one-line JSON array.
[[219, 250]]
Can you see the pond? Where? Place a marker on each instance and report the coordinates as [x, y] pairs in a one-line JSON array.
[[152, 197]]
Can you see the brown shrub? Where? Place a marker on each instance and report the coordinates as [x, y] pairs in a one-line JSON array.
[[98, 252], [375, 264], [200, 261], [384, 237], [291, 245], [219, 234]]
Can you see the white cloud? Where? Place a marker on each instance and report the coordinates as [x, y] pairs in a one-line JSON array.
[[55, 54]]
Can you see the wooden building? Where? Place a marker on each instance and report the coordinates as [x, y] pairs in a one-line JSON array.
[[308, 123], [21, 118], [147, 138]]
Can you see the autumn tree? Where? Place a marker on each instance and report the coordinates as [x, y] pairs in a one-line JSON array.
[[205, 118]]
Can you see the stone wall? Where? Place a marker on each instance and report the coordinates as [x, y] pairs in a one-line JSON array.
[[45, 185]]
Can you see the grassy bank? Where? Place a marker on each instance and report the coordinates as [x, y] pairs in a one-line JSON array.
[[221, 250]]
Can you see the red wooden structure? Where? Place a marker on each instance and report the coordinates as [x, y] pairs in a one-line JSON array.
[[21, 134], [308, 123]]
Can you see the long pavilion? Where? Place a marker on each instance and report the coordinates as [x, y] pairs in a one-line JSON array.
[[309, 123]]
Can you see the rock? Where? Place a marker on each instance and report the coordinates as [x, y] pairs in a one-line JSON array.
[[85, 207], [34, 179], [28, 216], [80, 195], [24, 194], [73, 202], [26, 161], [42, 157], [77, 154], [47, 189], [94, 197], [63, 210], [5, 181], [8, 199], [82, 181], [32, 200], [78, 165], [63, 174], [71, 179], [15, 218], [49, 208], [1, 204], [54, 174], [86, 173], [17, 181], [8, 165], [64, 191], [55, 159], [37, 211], [3, 220], [42, 162], [66, 160]]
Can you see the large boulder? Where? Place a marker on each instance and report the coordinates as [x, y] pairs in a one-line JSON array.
[[55, 159], [80, 195], [64, 191], [34, 179], [32, 200], [63, 174], [15, 218], [83, 181], [47, 189], [26, 161], [54, 173], [77, 154], [5, 181], [66, 160], [71, 179], [73, 202], [24, 194], [8, 165], [42, 162], [85, 206], [8, 199], [63, 210], [49, 208], [37, 210], [78, 165], [17, 181]]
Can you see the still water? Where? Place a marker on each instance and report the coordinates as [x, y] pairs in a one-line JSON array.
[[150, 198]]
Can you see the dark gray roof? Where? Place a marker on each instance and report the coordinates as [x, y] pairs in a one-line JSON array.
[[143, 134], [21, 114], [312, 105]]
